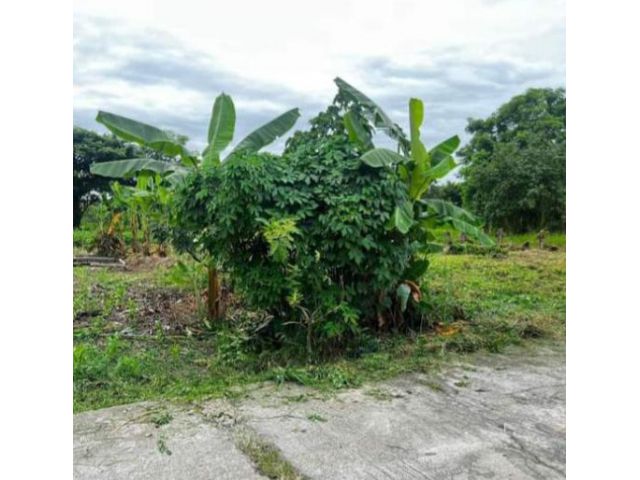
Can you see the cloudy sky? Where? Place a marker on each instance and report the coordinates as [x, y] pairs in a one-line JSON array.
[[164, 62]]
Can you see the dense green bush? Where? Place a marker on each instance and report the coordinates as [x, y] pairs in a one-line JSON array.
[[303, 235], [330, 237]]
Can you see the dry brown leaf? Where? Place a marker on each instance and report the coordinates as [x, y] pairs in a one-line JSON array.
[[448, 330], [416, 294]]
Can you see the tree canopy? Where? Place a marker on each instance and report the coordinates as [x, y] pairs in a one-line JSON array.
[[514, 174], [90, 147]]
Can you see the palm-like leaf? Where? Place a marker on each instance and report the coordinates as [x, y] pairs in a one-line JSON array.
[[356, 130], [444, 149], [471, 231], [458, 218], [421, 159], [402, 217], [142, 134], [222, 124], [267, 133], [442, 208], [376, 115], [441, 169], [381, 157], [131, 167]]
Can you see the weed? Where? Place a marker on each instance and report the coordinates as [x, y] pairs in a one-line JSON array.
[[162, 445], [433, 385], [161, 418], [266, 457], [379, 394], [296, 398], [314, 417]]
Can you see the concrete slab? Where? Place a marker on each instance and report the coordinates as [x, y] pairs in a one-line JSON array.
[[154, 441], [493, 416], [502, 417]]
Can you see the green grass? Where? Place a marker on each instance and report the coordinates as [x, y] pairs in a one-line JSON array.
[[525, 289], [552, 239], [480, 302], [266, 458]]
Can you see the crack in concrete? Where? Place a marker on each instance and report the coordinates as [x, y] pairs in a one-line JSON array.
[[522, 448]]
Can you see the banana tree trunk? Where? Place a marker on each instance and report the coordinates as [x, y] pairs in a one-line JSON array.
[[214, 310], [134, 231]]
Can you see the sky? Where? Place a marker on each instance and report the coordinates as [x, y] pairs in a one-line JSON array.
[[164, 62]]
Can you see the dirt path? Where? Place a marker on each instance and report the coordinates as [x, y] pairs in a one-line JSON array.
[[493, 416]]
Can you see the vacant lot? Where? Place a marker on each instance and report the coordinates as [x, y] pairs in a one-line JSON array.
[[138, 336]]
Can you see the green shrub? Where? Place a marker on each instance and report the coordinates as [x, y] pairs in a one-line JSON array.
[[307, 230], [326, 237]]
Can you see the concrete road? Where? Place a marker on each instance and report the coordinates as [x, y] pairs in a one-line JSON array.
[[493, 416]]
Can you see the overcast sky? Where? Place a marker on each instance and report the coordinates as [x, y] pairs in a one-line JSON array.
[[164, 62]]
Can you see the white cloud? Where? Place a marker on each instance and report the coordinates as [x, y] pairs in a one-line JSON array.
[[167, 60]]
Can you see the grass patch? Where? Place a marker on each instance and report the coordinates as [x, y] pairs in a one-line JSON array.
[[162, 445], [552, 239], [266, 458], [314, 417], [124, 354]]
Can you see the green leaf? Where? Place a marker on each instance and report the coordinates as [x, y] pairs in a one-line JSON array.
[[222, 124], [210, 157], [267, 133], [402, 292], [433, 247], [376, 115], [444, 209], [458, 218], [442, 168], [142, 134], [129, 168], [356, 130], [416, 269], [444, 149], [416, 117], [420, 178], [471, 231], [175, 178], [381, 157], [403, 172], [403, 217]]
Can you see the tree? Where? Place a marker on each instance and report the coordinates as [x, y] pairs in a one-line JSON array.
[[514, 174], [450, 191], [168, 144], [88, 148]]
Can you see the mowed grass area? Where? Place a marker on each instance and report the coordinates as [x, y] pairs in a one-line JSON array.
[[137, 335], [516, 240]]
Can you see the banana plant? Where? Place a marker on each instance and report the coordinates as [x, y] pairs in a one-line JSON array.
[[145, 202], [418, 166], [219, 136]]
